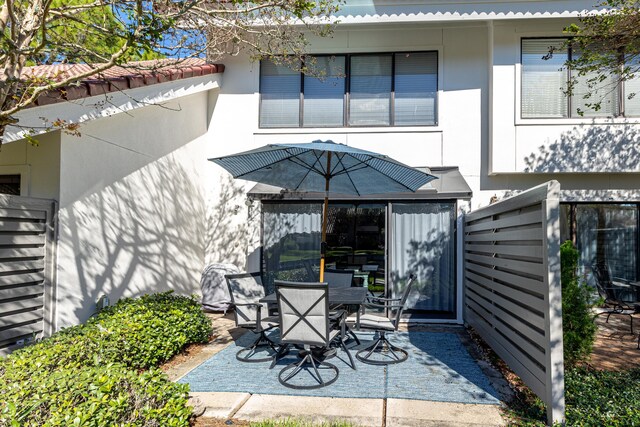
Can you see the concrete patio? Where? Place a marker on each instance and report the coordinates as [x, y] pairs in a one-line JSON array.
[[459, 398]]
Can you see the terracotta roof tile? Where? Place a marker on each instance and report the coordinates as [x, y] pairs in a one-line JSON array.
[[129, 76]]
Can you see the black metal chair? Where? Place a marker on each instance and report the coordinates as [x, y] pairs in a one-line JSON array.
[[245, 290], [304, 321], [611, 292], [382, 352]]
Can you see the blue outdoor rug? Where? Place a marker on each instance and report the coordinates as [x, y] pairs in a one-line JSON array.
[[439, 368]]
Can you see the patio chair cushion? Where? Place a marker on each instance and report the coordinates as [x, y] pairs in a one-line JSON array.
[[372, 321]]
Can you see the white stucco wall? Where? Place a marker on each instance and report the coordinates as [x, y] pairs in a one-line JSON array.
[[38, 166], [593, 159], [458, 139], [132, 206]]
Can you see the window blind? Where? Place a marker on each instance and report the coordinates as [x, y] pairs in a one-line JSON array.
[[416, 86], [632, 89], [324, 97], [605, 93], [543, 80], [370, 94], [279, 96]]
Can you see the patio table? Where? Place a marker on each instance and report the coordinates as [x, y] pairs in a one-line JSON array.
[[337, 296]]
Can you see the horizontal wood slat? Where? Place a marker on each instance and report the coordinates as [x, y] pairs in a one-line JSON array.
[[23, 214], [23, 227], [21, 291], [22, 240], [9, 266], [20, 305], [520, 266], [513, 279], [505, 236], [7, 253], [535, 304], [532, 251], [514, 221], [20, 318], [17, 279], [8, 336]]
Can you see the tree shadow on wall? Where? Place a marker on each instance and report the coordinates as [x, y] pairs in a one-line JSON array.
[[589, 149], [228, 225], [141, 234]]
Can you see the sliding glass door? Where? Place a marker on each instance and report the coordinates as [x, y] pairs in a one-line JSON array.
[[383, 243]]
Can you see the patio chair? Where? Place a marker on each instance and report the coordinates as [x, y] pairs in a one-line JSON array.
[[340, 279], [245, 290], [382, 352], [304, 321], [611, 292]]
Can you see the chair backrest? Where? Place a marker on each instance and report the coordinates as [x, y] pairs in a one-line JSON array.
[[403, 302], [304, 312], [604, 285], [246, 288], [338, 278]]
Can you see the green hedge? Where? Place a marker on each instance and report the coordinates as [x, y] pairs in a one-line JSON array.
[[90, 374]]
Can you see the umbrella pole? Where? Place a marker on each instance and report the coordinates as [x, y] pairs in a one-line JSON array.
[[325, 216]]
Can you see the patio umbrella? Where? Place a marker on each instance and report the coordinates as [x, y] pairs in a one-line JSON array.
[[324, 166]]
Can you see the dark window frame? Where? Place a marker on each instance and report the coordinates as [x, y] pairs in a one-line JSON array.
[[620, 113], [347, 92]]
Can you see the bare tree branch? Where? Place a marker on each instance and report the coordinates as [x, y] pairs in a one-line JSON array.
[[107, 33]]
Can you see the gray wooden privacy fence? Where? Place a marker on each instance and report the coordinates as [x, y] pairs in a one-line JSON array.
[[27, 269], [512, 288]]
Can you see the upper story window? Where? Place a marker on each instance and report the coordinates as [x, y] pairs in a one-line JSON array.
[[545, 78], [388, 89]]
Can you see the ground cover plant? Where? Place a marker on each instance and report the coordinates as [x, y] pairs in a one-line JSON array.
[[103, 372]]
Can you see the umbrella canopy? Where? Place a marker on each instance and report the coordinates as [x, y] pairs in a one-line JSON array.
[[324, 166]]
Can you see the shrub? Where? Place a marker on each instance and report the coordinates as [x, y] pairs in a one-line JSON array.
[[94, 396], [138, 332], [579, 330], [90, 371]]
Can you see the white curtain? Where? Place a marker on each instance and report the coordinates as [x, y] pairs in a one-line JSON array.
[[291, 236], [423, 244]]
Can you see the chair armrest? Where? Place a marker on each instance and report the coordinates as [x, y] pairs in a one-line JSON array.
[[621, 283], [382, 299]]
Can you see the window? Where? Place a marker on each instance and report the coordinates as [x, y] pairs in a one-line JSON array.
[[544, 78], [388, 89], [605, 233], [10, 184]]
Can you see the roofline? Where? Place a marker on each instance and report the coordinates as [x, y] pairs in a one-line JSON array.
[[100, 86]]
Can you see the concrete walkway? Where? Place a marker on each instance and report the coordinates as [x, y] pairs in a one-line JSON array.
[[361, 412]]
